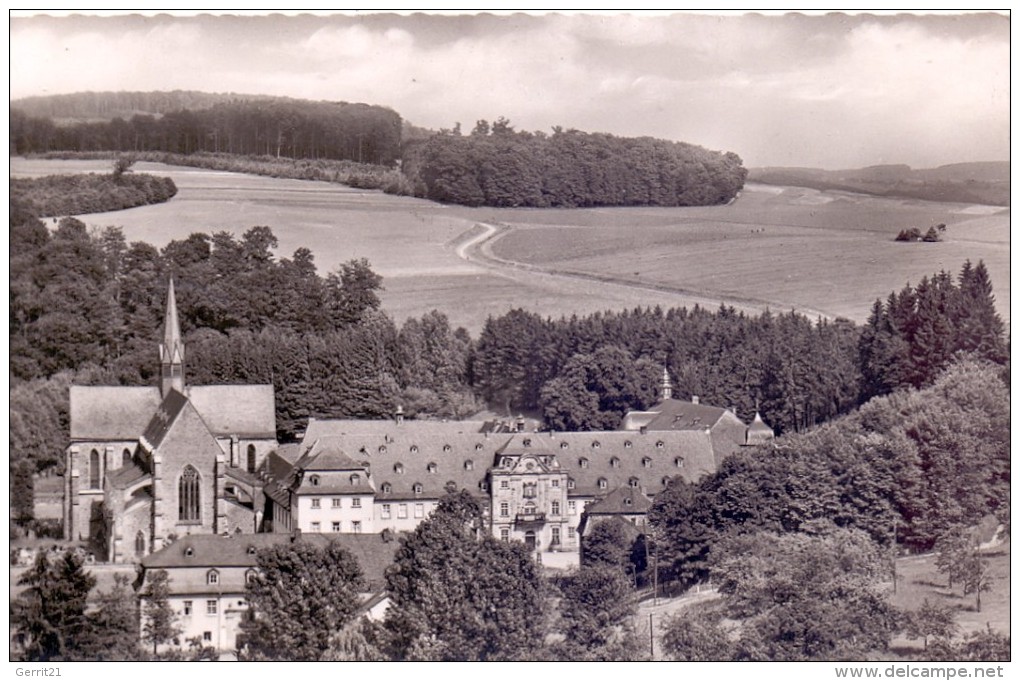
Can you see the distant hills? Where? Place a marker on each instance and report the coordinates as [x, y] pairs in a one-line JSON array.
[[985, 183]]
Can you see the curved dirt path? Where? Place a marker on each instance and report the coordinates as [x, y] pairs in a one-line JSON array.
[[477, 249]]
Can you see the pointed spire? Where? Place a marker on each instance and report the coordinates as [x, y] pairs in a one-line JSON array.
[[667, 385], [171, 350]]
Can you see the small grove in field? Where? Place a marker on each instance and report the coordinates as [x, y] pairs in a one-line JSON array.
[[57, 195]]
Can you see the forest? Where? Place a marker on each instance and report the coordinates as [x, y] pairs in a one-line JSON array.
[[277, 127], [498, 166], [58, 195]]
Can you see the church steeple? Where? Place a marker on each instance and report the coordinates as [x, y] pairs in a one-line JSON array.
[[667, 385], [171, 350]]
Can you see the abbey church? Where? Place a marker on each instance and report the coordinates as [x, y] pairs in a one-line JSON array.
[[148, 466]]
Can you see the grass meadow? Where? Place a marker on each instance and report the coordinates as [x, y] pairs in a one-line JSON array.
[[828, 253]]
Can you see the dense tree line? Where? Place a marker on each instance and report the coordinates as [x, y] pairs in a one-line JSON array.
[[57, 195], [260, 126], [585, 373], [915, 334], [497, 166]]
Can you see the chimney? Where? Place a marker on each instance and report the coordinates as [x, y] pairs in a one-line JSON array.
[[695, 400], [644, 430], [520, 423], [398, 416]]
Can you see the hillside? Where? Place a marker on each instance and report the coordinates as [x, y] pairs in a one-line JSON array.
[[103, 107], [985, 183]]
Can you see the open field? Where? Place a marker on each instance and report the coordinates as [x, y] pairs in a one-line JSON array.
[[824, 253]]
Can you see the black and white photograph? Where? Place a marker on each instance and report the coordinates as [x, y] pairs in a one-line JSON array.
[[517, 336]]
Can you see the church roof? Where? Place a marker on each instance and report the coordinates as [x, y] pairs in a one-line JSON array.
[[758, 425], [163, 419], [245, 410], [115, 413], [111, 412], [123, 477]]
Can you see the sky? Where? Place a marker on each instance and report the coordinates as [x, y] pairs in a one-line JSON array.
[[824, 90]]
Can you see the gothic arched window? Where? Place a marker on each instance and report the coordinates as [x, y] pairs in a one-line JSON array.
[[251, 458], [189, 496], [126, 456], [94, 469], [140, 543]]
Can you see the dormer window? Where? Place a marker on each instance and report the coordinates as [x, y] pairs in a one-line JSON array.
[[251, 550], [633, 482], [627, 501], [564, 445], [249, 576], [398, 468], [469, 465], [431, 467], [596, 444], [418, 488], [313, 480], [679, 461], [212, 577], [666, 480], [646, 462], [188, 551], [660, 444], [526, 442], [570, 483], [603, 483], [627, 444], [483, 485], [447, 448], [414, 449], [506, 462], [614, 462], [355, 479], [582, 462], [478, 446], [382, 449], [387, 488]]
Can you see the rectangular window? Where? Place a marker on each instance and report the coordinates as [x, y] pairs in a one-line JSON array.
[[572, 507], [504, 484], [555, 510], [419, 510], [555, 482], [316, 501], [504, 508], [316, 526], [571, 532], [336, 502], [210, 607], [402, 511], [336, 525], [386, 510], [207, 636], [555, 535], [356, 526], [356, 502], [504, 534], [187, 608]]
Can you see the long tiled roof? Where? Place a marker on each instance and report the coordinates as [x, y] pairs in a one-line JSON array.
[[111, 412], [405, 456], [374, 552], [320, 428], [674, 414], [621, 501]]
